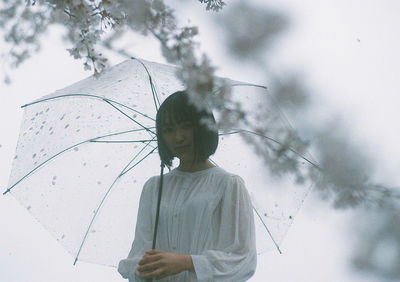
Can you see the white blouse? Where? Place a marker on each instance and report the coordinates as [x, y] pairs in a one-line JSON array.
[[206, 214]]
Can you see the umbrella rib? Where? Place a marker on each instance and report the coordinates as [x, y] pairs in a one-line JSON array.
[[275, 141], [106, 194], [123, 141], [138, 162], [62, 151], [282, 115], [286, 119], [212, 161], [148, 144], [269, 233], [248, 84], [87, 95], [132, 119], [153, 89]]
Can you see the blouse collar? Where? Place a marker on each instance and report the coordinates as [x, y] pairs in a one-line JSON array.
[[176, 171]]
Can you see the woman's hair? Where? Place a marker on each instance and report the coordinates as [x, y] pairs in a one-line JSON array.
[[205, 136]]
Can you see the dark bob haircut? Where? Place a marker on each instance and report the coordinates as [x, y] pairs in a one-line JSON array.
[[178, 107]]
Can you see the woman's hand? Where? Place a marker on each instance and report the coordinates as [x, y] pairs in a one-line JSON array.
[[157, 264]]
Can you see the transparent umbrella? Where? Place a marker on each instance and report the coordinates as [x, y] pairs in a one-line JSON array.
[[85, 151]]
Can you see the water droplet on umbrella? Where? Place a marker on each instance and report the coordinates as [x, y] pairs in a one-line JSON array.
[[47, 110], [45, 154], [53, 183], [63, 236], [37, 114], [99, 117], [54, 177], [78, 130], [37, 132], [76, 149], [43, 122], [51, 133], [265, 214], [24, 134], [84, 164], [134, 116], [31, 128], [99, 182], [106, 165], [33, 156], [33, 118], [78, 117], [41, 127], [41, 113], [34, 163], [290, 217], [61, 118], [16, 157], [93, 231], [28, 208], [50, 128], [41, 150], [66, 126], [119, 80]]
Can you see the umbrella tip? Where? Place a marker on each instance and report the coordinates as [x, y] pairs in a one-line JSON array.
[[76, 259], [5, 192]]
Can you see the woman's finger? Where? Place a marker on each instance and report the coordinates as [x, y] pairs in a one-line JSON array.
[[149, 266], [154, 274], [149, 258]]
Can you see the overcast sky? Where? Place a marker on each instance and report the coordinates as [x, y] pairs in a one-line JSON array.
[[348, 54]]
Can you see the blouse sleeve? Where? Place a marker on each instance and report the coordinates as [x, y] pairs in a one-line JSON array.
[[233, 256], [143, 235]]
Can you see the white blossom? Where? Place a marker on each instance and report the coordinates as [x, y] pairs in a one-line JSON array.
[[342, 171]]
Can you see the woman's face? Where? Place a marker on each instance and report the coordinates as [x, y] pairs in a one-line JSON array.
[[179, 139]]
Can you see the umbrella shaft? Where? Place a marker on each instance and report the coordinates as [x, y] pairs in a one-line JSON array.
[[158, 211]]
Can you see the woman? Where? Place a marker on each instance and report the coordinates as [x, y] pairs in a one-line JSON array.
[[206, 225]]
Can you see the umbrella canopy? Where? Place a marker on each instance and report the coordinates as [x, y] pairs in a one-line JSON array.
[[84, 153]]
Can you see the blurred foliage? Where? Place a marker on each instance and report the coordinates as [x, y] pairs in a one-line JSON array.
[[342, 173]]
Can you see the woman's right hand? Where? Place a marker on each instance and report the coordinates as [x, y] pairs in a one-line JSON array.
[[157, 264]]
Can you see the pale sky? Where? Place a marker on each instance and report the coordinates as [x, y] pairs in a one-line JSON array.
[[347, 52]]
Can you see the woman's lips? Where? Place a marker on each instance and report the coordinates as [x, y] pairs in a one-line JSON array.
[[182, 148]]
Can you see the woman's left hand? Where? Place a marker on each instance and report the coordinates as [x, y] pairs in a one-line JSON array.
[[157, 264]]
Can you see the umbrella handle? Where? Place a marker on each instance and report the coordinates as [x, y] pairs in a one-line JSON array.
[[158, 206], [158, 210]]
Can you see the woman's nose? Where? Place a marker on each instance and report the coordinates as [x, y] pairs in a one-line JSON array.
[[179, 136]]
